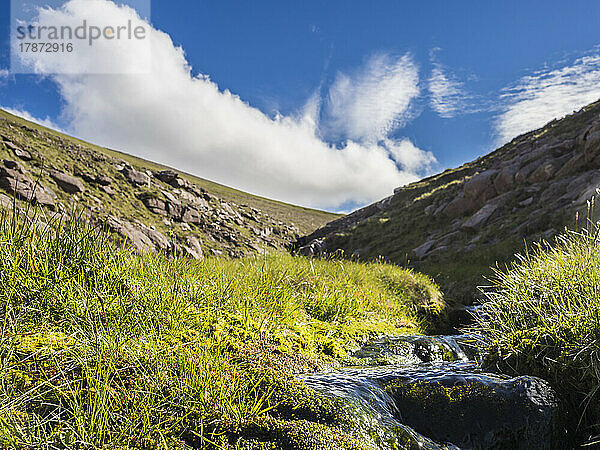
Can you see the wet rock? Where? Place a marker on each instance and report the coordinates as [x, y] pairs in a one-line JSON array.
[[67, 183], [476, 410], [481, 217]]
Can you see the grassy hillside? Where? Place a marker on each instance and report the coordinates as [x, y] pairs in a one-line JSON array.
[[222, 219], [455, 225], [104, 347]]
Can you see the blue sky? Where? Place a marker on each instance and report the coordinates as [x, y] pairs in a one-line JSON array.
[[427, 85]]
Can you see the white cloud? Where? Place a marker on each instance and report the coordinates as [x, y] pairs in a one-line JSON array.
[[410, 157], [47, 122], [4, 73], [447, 94], [546, 95], [187, 121], [371, 103]]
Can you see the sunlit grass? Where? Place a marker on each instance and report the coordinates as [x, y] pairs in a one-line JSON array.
[[102, 347], [543, 318]]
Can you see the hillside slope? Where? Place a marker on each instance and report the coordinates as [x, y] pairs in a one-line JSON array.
[[457, 224], [150, 205]]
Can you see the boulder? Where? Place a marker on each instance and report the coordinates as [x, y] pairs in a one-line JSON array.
[[315, 247], [154, 204], [67, 183], [172, 178], [159, 240], [136, 177], [575, 164], [481, 217], [103, 180], [17, 183], [193, 248], [191, 215], [18, 151], [476, 410], [422, 250], [458, 207], [481, 188], [505, 180], [524, 172], [134, 236]]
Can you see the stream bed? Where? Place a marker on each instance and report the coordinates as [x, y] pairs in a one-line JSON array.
[[429, 392]]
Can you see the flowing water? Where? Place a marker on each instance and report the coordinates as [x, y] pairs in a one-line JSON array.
[[430, 392]]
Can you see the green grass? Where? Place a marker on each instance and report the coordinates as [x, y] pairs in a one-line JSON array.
[[101, 347], [543, 319]]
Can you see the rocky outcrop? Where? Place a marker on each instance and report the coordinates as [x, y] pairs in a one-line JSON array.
[[14, 180], [475, 214]]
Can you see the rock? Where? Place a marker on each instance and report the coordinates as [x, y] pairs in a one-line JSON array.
[[544, 172], [103, 180], [172, 178], [422, 250], [526, 202], [193, 248], [5, 201], [136, 177], [13, 165], [430, 210], [159, 240], [135, 237], [505, 180], [458, 207], [18, 151], [481, 188], [20, 185], [525, 171], [67, 183], [573, 165], [476, 410], [192, 215], [154, 204], [315, 247], [480, 218], [107, 189]]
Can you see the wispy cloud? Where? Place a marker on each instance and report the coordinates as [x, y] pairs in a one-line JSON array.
[[187, 121], [4, 73], [369, 104], [537, 99], [447, 95]]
